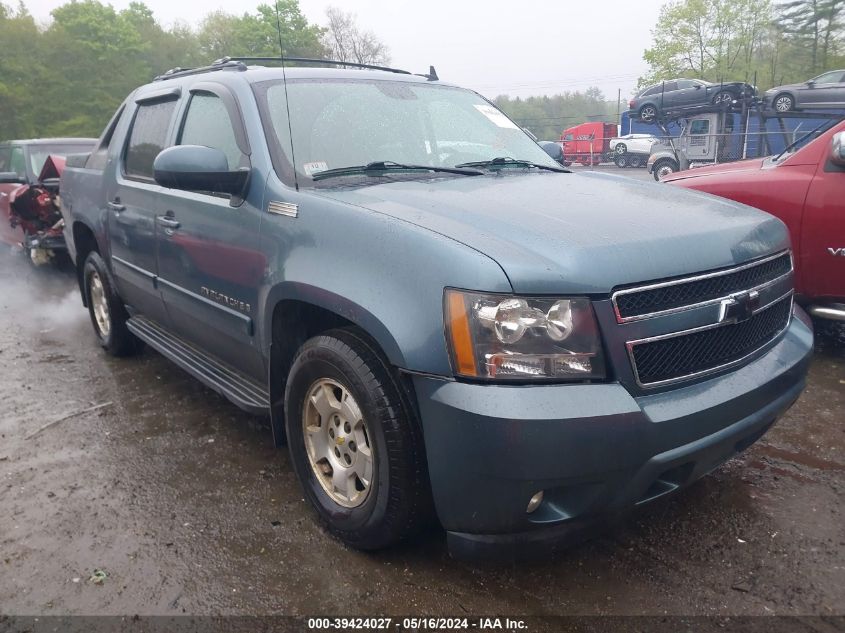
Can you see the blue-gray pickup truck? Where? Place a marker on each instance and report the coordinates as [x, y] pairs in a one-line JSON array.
[[438, 319]]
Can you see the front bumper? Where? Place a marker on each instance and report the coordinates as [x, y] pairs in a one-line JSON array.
[[594, 449]]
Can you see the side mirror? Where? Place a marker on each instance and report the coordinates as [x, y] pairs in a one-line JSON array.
[[837, 149], [811, 83], [698, 86], [11, 178], [198, 168], [552, 149]]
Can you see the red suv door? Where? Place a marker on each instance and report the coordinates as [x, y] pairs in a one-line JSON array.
[[823, 229]]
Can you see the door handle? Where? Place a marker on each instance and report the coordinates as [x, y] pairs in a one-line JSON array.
[[168, 222], [116, 206]]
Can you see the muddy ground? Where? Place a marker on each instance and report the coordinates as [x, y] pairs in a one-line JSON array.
[[182, 501]]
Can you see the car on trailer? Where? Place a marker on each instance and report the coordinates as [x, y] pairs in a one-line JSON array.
[[825, 91], [683, 94], [632, 150]]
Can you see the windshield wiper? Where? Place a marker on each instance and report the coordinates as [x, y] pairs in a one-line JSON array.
[[789, 147], [504, 161], [378, 167]]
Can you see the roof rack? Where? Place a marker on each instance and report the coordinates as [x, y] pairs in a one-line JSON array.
[[218, 65], [239, 63], [311, 60]]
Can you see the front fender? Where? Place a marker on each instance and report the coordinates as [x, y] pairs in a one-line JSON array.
[[384, 274], [340, 305]]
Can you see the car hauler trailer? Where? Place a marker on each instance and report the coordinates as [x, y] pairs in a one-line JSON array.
[[711, 135]]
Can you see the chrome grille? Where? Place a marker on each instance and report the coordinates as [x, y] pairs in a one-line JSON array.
[[674, 295], [679, 356]]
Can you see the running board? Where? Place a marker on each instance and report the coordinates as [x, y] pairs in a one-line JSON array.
[[241, 390]]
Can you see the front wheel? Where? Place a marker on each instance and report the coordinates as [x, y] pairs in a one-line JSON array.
[[784, 103], [353, 442], [107, 312], [663, 168], [620, 149]]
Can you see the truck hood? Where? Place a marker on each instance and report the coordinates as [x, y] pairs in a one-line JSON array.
[[578, 233], [752, 164]]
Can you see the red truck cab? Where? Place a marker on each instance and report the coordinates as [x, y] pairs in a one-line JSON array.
[[587, 143], [805, 189]]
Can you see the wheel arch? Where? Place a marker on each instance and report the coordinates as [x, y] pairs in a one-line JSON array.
[[295, 312]]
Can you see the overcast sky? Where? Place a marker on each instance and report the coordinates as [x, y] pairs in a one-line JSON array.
[[496, 47]]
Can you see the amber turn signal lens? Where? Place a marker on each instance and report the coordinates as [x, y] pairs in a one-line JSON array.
[[459, 334]]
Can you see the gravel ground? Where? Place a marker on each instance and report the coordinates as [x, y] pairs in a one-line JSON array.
[[184, 504]]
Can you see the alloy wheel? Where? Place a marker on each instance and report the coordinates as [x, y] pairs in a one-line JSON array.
[[783, 103], [99, 304], [338, 443]]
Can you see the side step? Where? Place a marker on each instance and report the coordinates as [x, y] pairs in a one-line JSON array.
[[241, 390]]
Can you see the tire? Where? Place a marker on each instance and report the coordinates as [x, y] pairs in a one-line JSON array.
[[634, 160], [375, 506], [664, 167], [724, 97], [107, 312], [620, 149], [648, 113], [784, 102], [621, 161]]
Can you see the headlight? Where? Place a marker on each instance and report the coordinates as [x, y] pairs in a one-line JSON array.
[[506, 337]]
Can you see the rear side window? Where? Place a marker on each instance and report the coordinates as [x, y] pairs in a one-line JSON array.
[[5, 157], [829, 78], [652, 91], [97, 159], [148, 138], [207, 123]]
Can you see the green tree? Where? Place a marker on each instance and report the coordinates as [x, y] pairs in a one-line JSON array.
[[815, 28], [20, 38], [547, 116], [68, 77], [257, 34], [93, 58], [715, 40]]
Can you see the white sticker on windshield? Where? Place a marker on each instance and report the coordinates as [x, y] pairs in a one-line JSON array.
[[496, 117], [312, 168]]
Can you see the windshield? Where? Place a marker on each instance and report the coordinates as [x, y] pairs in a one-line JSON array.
[[341, 123], [38, 154]]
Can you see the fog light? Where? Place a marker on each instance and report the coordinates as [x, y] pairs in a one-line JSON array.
[[535, 502]]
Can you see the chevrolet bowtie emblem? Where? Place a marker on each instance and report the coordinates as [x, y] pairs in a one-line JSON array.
[[339, 440], [739, 307]]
